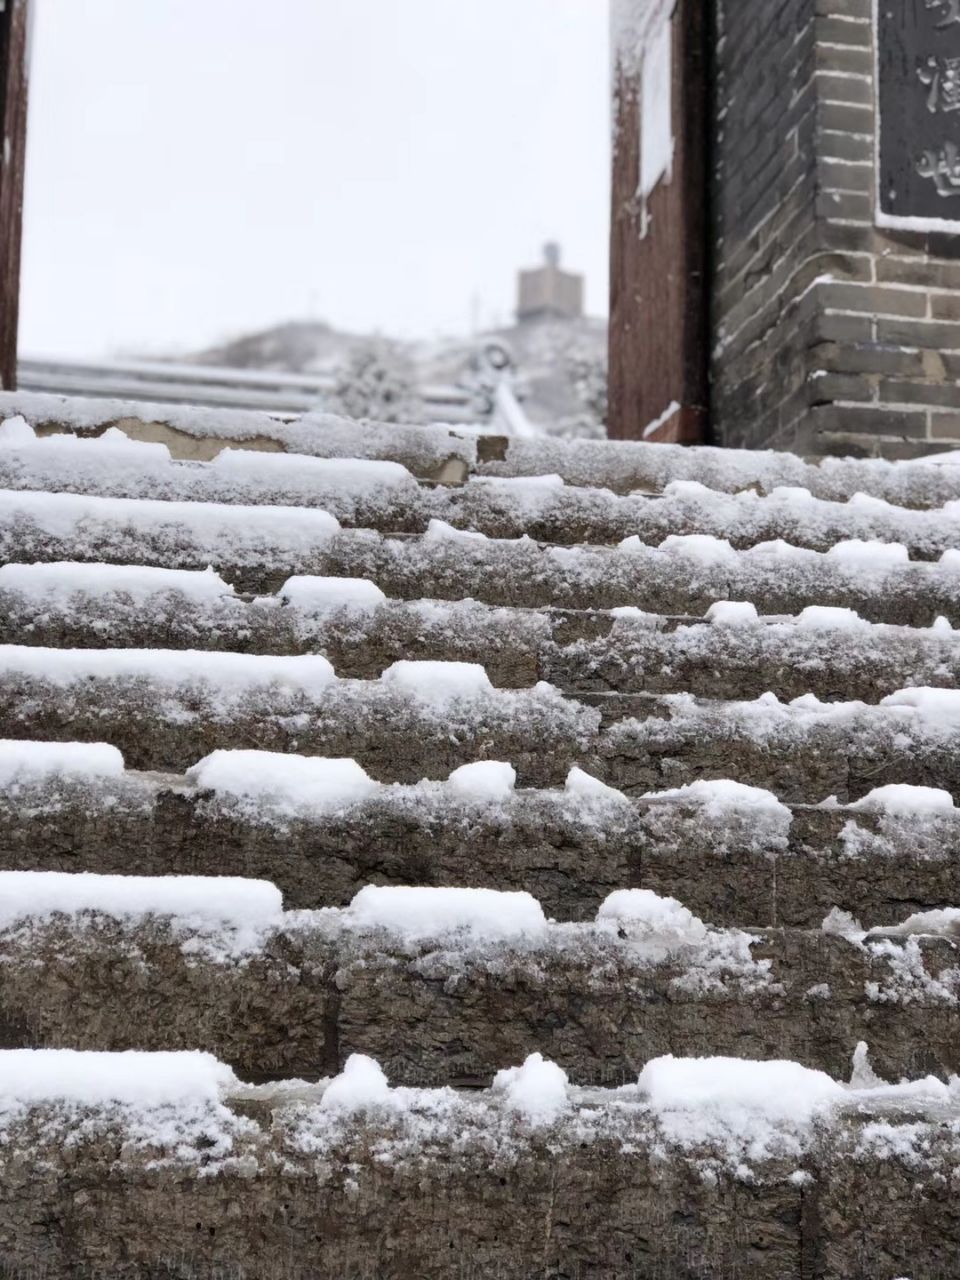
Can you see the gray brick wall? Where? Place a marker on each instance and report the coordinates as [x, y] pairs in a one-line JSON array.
[[830, 335]]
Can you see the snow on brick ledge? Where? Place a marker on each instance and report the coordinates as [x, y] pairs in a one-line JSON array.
[[37, 762], [645, 915], [485, 780], [197, 902], [539, 1090], [231, 672], [438, 681], [285, 783], [320, 595], [37, 1077], [720, 795], [60, 581], [902, 798], [417, 913]]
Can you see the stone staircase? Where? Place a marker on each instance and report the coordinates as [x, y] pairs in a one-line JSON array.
[[271, 693]]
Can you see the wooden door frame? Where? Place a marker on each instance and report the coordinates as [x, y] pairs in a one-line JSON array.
[[659, 260], [15, 17]]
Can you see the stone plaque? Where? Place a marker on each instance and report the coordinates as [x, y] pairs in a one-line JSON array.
[[918, 62]]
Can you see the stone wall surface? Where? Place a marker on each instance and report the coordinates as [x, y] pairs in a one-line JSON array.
[[831, 335]]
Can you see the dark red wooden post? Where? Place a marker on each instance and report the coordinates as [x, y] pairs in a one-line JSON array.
[[14, 30], [658, 290]]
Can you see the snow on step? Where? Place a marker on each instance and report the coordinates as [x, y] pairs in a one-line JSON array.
[[202, 432], [420, 719], [431, 913], [57, 584], [618, 465], [265, 781], [33, 763], [196, 901], [568, 847], [136, 1082], [260, 545], [113, 466], [823, 650], [385, 496], [805, 750]]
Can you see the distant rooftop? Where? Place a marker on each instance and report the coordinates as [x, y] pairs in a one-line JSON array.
[[548, 292]]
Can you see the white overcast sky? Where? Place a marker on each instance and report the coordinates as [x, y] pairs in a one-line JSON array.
[[200, 168]]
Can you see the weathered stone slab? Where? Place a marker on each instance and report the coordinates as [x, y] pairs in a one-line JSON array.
[[743, 867], [299, 1000]]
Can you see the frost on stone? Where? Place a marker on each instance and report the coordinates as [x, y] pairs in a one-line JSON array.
[[485, 780], [538, 1091], [842, 924], [271, 783], [420, 913], [59, 583]]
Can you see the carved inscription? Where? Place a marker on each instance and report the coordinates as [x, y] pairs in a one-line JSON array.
[[918, 93]]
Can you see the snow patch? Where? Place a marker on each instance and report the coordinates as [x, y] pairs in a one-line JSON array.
[[824, 617], [62, 580], [742, 1091], [419, 913], [322, 595], [37, 1077], [360, 1086], [35, 762], [538, 1090], [196, 901], [702, 547], [898, 797], [856, 555], [732, 613], [485, 780], [438, 681], [585, 786], [645, 916], [720, 795], [441, 531], [288, 784]]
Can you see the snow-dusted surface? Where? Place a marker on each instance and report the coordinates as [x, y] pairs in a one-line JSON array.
[[60, 582], [231, 674], [36, 762], [431, 913], [197, 902]]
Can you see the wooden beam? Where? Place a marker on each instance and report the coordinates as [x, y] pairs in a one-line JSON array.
[[659, 335], [14, 30]]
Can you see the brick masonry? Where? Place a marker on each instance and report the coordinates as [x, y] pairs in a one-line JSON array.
[[830, 334]]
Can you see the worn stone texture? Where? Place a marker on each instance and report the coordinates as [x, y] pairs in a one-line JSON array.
[[732, 869], [310, 994]]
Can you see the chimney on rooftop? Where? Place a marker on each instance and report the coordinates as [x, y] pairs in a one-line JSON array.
[[547, 292]]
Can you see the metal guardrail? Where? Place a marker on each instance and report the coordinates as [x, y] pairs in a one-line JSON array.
[[166, 382]]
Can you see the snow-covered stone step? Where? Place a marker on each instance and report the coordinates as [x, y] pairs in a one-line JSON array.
[[440, 453], [322, 830], [805, 750], [731, 653], [385, 496], [117, 1164], [164, 709], [447, 984], [258, 548]]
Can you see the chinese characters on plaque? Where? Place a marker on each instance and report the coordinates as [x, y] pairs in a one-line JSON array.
[[918, 45]]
